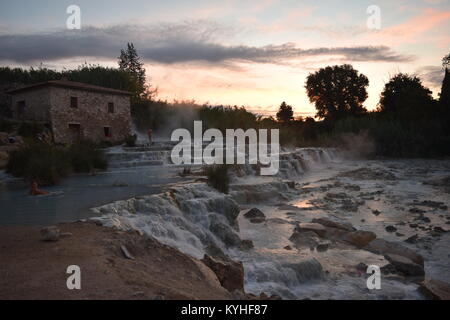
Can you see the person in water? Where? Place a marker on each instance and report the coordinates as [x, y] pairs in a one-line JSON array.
[[150, 136], [35, 191]]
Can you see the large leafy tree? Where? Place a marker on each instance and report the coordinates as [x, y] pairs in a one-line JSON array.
[[446, 61], [404, 97], [130, 61], [445, 91], [285, 114], [337, 91]]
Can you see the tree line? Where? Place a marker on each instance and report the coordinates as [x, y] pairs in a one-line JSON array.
[[408, 120]]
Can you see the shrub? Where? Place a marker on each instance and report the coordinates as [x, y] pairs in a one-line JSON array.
[[218, 177], [130, 141], [41, 162], [48, 164], [85, 156]]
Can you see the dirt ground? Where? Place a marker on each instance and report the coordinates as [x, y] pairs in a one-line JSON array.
[[33, 269]]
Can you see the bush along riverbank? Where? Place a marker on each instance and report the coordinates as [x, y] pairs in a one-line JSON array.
[[49, 164]]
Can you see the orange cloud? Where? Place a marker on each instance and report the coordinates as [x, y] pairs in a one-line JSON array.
[[410, 30]]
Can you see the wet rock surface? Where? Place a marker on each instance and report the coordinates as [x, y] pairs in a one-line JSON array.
[[230, 273], [345, 215]]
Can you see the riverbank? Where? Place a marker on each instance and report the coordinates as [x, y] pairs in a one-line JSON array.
[[34, 269]]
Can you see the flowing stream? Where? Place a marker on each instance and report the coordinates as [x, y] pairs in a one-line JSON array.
[[143, 191]]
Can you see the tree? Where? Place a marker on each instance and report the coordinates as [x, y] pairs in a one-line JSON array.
[[130, 61], [444, 99], [405, 97], [285, 113], [446, 61], [337, 92]]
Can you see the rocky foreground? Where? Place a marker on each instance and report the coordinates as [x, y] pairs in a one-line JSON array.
[[114, 265]]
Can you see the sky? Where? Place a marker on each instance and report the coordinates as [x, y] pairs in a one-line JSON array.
[[235, 52]]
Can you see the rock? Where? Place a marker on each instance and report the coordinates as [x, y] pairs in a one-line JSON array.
[[246, 245], [413, 225], [307, 239], [230, 273], [224, 232], [360, 238], [425, 219], [288, 248], [307, 270], [332, 224], [290, 184], [334, 233], [322, 247], [254, 213], [314, 227], [50, 233], [417, 210], [65, 234], [388, 269], [391, 229], [405, 265], [361, 267], [376, 212], [439, 230], [126, 253], [435, 289], [257, 220], [431, 204], [413, 239], [383, 247], [398, 234]]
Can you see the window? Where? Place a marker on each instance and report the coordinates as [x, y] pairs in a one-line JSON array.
[[107, 131], [111, 107], [75, 127], [74, 102], [21, 107], [74, 131]]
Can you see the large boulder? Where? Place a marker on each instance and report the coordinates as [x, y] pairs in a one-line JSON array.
[[332, 224], [435, 289], [306, 239], [314, 227], [230, 273], [254, 213], [405, 265], [359, 238], [383, 247]]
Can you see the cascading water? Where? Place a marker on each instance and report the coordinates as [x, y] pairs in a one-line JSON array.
[[198, 220]]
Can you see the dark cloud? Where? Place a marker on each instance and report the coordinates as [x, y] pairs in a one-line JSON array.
[[431, 75], [168, 43]]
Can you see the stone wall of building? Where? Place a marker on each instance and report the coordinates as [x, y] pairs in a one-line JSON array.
[[91, 114], [37, 105]]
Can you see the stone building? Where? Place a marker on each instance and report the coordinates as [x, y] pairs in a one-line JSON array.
[[73, 110]]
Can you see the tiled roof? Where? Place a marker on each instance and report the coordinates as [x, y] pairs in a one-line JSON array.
[[71, 85]]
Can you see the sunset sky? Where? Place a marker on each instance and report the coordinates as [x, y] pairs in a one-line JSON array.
[[251, 53]]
